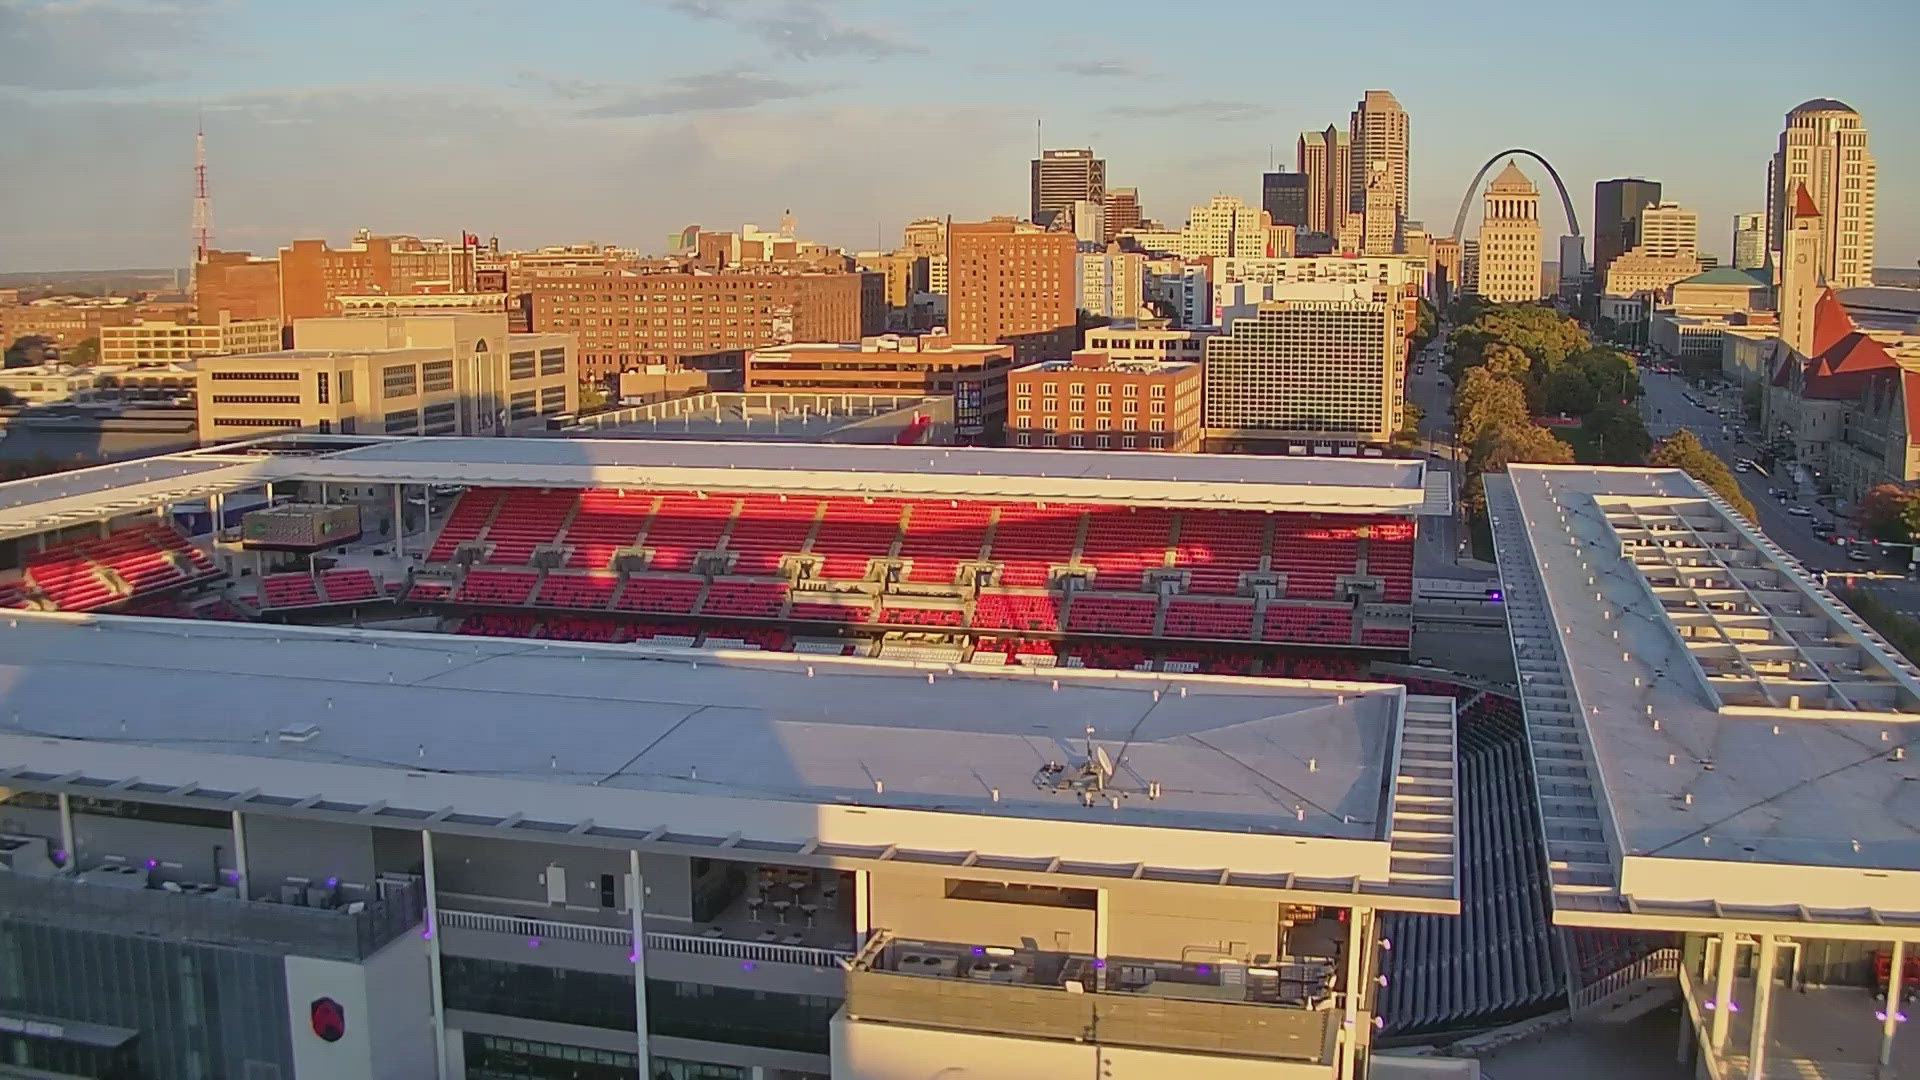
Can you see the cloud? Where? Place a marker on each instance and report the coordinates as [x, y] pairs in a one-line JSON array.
[[1105, 69], [96, 44], [802, 29], [1218, 111], [682, 94]]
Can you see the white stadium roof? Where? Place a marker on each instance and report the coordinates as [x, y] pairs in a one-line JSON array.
[[1302, 484], [1254, 782], [1712, 733]]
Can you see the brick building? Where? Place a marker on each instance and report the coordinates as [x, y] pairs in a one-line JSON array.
[[1012, 283], [237, 284], [313, 275], [1093, 402], [66, 325], [624, 319], [931, 365]]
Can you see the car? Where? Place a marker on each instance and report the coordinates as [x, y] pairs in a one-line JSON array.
[[1743, 467], [1823, 529], [1424, 661], [1856, 555], [1799, 511]]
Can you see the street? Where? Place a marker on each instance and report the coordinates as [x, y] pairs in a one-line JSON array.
[[1440, 538], [1667, 410]]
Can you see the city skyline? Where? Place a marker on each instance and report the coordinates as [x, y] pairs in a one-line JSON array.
[[739, 111]]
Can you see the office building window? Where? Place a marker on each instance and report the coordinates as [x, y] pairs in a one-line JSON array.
[[399, 380], [346, 387], [520, 366], [553, 361], [440, 419], [436, 376], [404, 422], [521, 406], [320, 387]]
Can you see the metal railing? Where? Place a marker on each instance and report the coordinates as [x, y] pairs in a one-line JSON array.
[[1659, 964], [724, 948]]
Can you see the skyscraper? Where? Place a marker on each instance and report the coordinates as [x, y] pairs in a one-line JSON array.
[[1122, 209], [1669, 230], [1064, 177], [1283, 195], [1824, 147], [1326, 157], [1378, 129], [1510, 239], [1749, 241], [1380, 216], [1011, 283], [1224, 225], [1616, 218]]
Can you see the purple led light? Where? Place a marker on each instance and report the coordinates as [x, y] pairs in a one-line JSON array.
[[1206, 969], [333, 883], [533, 943], [153, 864], [426, 934], [60, 858], [1098, 963], [746, 965], [633, 958], [979, 951], [1711, 1005]]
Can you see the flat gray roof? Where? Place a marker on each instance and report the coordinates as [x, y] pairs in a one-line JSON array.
[[1691, 692], [1228, 754]]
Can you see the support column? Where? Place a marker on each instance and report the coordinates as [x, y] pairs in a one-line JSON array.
[[431, 932], [216, 509], [1350, 1034], [862, 916], [240, 857], [1723, 993], [1891, 1024], [1100, 925], [636, 907], [72, 865], [1762, 1004], [399, 523]]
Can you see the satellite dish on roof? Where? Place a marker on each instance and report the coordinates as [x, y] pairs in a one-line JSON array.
[[1103, 762]]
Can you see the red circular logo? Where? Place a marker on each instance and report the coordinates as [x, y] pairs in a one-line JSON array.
[[329, 1019]]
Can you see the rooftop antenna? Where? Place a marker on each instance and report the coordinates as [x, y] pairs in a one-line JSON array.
[[1038, 142], [201, 221]]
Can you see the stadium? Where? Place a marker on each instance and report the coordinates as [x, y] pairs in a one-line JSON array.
[[1070, 730]]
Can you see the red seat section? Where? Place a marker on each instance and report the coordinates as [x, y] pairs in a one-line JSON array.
[[1111, 614], [606, 522], [1028, 539], [429, 591], [919, 616], [79, 575], [495, 587], [528, 518], [464, 522], [662, 595], [1002, 611], [768, 527], [1318, 626], [578, 590], [1192, 617], [684, 526], [755, 599], [1122, 544], [346, 586], [940, 536], [1393, 637], [852, 532], [1217, 546], [288, 590], [1312, 552], [1390, 556]]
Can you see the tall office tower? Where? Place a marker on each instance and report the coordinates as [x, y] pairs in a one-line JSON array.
[[1824, 147], [1510, 239], [1378, 129], [1573, 265], [1122, 210], [1616, 218], [925, 236], [1326, 157], [1012, 283], [1283, 195], [1445, 270], [1111, 283], [1749, 241], [1307, 371], [1470, 267], [1380, 215], [1668, 230], [1064, 177]]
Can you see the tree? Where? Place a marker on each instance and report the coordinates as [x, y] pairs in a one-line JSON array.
[[1682, 450], [1509, 444], [1426, 324], [85, 354], [30, 351], [1485, 401], [1618, 434], [1890, 512], [1506, 361]]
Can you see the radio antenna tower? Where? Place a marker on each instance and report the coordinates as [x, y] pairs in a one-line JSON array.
[[201, 223]]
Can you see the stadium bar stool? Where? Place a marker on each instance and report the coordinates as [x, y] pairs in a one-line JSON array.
[[780, 908], [830, 893], [810, 910], [754, 904], [791, 939]]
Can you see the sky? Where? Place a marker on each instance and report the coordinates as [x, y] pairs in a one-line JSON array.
[[621, 121]]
